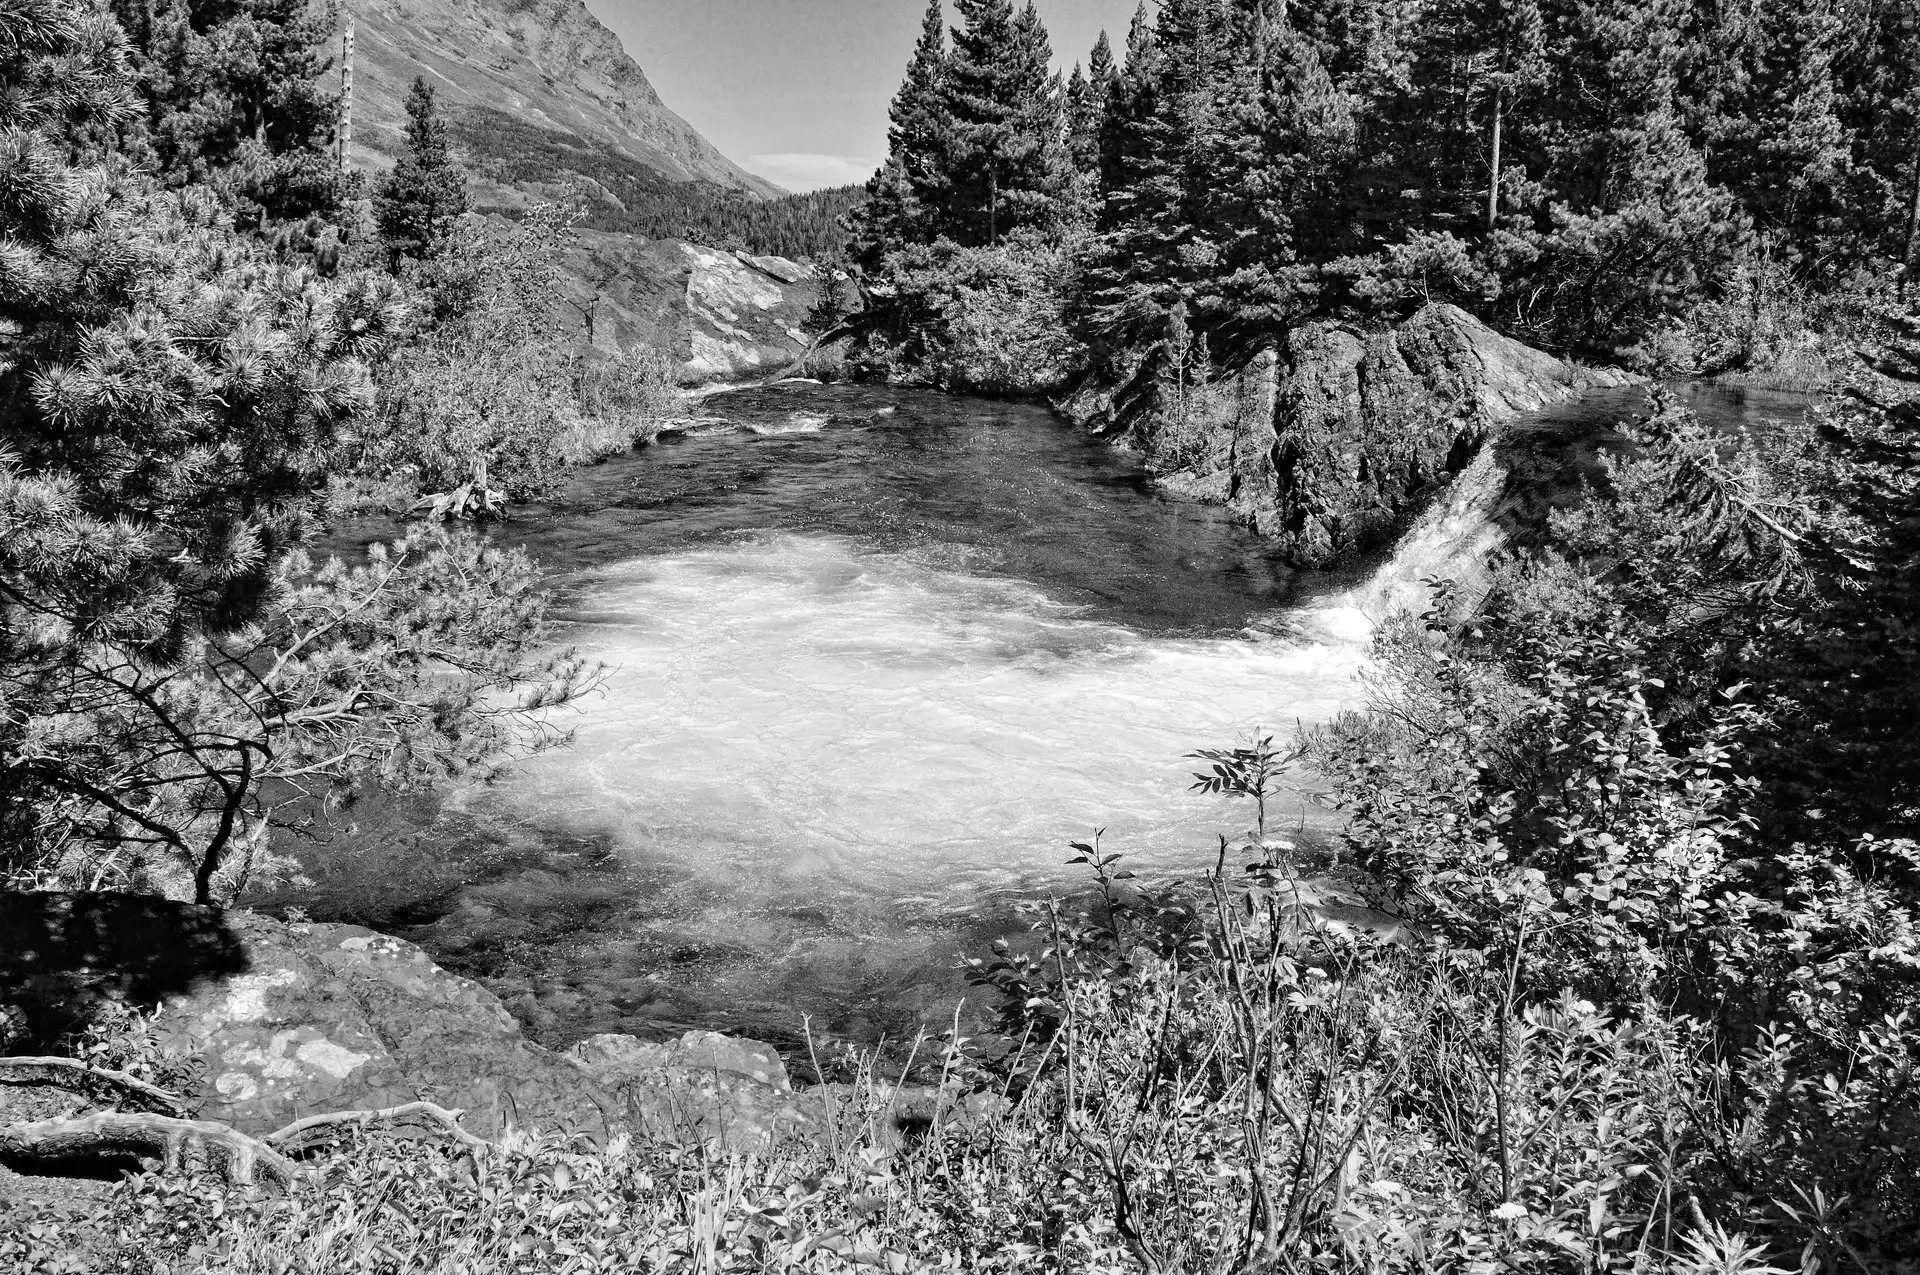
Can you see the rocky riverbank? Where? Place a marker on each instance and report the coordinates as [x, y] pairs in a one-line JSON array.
[[275, 1022], [1328, 440]]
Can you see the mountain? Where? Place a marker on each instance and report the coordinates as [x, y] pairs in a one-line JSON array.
[[537, 93], [541, 100]]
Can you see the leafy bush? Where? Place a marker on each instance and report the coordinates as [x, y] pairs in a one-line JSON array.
[[494, 391], [987, 320]]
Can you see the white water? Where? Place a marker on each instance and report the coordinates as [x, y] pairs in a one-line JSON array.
[[791, 716], [873, 662]]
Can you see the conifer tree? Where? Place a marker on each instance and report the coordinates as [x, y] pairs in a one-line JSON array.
[[167, 401], [1168, 137], [1006, 163], [1089, 93], [1879, 78], [1083, 121], [426, 192], [1279, 203], [1130, 105], [234, 94], [1639, 226], [913, 180], [1516, 68], [1776, 136]]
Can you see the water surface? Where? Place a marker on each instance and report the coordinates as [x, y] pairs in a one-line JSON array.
[[876, 656]]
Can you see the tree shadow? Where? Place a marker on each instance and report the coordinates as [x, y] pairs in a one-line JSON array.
[[62, 954]]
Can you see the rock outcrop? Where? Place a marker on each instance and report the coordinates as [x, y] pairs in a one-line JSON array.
[[334, 1017], [1327, 441], [721, 316]]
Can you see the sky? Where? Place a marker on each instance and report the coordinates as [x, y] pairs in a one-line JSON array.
[[797, 90]]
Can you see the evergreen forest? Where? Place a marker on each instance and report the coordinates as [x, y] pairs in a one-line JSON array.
[[1648, 182]]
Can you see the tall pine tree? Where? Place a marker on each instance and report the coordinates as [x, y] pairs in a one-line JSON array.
[[903, 195], [1776, 138], [1089, 94], [1006, 164], [420, 200]]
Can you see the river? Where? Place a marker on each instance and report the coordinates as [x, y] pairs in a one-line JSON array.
[[875, 656]]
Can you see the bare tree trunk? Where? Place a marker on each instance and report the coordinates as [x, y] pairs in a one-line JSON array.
[[165, 1138], [346, 95], [1913, 223], [1493, 182]]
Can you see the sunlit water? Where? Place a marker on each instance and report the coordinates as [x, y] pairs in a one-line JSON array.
[[874, 659]]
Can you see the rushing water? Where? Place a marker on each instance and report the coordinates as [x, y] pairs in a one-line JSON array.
[[874, 658]]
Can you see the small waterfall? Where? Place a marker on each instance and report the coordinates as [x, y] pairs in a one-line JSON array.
[[1454, 539]]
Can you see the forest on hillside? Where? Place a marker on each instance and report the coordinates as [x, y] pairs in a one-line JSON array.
[[622, 196]]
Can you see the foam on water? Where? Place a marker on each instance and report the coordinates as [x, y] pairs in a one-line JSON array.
[[795, 423], [791, 714], [865, 682]]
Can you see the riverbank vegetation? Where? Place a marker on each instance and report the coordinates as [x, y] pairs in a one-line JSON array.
[[1683, 188], [210, 337], [1611, 969]]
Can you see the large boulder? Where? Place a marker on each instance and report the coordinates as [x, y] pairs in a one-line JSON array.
[[1329, 439], [291, 1020], [334, 1017], [720, 316]]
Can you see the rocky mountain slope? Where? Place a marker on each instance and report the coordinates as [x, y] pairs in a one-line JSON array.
[[548, 64], [539, 98]]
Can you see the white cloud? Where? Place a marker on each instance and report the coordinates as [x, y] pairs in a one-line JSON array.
[[801, 172]]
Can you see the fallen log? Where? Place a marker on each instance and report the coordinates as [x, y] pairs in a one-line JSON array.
[[71, 1073], [179, 1143], [174, 1142]]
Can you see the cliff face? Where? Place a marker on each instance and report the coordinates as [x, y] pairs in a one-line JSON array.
[[544, 63], [1327, 441], [721, 316]]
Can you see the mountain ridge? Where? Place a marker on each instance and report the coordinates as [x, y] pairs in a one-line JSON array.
[[548, 63]]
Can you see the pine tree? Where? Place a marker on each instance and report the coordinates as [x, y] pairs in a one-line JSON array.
[[1279, 204], [168, 399], [1776, 137], [1124, 145], [1089, 94], [1083, 122], [235, 98], [1639, 226], [426, 192], [1169, 133], [1516, 68], [1879, 80], [1006, 162], [913, 180]]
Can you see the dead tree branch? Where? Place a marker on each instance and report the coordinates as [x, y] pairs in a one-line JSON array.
[[305, 1134], [71, 1073]]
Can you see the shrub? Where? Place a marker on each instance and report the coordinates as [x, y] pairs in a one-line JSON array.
[[986, 320]]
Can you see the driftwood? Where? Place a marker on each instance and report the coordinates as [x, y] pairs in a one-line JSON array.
[[303, 1135], [179, 1143], [173, 1142], [71, 1073]]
